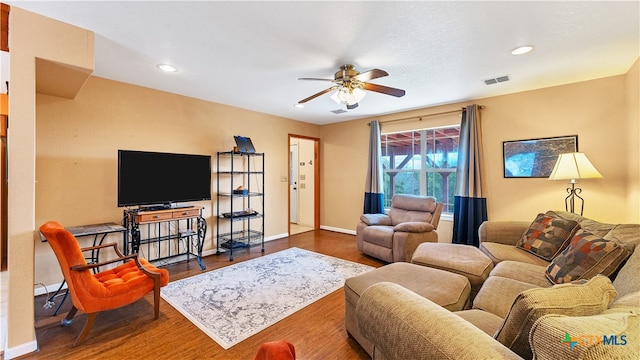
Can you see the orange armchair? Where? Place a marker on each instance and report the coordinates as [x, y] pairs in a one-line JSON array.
[[106, 290]]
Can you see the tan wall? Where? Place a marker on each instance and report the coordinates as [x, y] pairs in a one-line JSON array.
[[31, 36], [594, 110], [78, 139], [633, 139], [343, 165]]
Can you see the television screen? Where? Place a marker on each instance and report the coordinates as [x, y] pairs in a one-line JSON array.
[[146, 178]]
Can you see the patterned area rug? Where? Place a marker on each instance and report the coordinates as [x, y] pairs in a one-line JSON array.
[[235, 302]]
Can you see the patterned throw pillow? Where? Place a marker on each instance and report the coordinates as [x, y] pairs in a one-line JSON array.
[[547, 236], [586, 256]]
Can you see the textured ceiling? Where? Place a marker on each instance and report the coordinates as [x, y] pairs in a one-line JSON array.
[[251, 54]]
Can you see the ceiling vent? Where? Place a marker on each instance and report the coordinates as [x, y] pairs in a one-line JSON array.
[[339, 111], [497, 80]]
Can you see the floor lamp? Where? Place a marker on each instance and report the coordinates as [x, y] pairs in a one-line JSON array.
[[573, 166]]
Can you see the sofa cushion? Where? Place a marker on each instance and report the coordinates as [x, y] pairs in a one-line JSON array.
[[547, 235], [529, 273], [485, 321], [631, 300], [497, 295], [626, 281], [590, 298], [593, 226], [610, 335], [586, 256], [627, 235], [502, 252]]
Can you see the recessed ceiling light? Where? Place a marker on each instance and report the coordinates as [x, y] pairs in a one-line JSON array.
[[298, 106], [167, 67], [522, 50]]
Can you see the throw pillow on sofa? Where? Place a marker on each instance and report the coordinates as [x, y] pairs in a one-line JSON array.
[[586, 256], [547, 235], [589, 298]]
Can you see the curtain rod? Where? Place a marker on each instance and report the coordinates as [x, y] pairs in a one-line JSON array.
[[419, 117]]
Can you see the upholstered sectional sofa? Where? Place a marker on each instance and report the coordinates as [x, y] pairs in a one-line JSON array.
[[576, 296]]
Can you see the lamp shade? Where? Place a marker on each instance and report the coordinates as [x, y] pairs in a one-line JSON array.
[[573, 166]]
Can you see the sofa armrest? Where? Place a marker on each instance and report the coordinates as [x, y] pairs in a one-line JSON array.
[[375, 219], [404, 325], [414, 227], [502, 232], [593, 337]]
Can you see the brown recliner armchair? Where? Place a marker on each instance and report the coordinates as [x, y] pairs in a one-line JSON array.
[[412, 220]]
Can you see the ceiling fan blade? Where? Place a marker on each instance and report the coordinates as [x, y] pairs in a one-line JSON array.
[[316, 95], [316, 79], [351, 107], [370, 75], [384, 89]]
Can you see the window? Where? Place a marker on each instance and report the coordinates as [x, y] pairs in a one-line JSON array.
[[421, 162]]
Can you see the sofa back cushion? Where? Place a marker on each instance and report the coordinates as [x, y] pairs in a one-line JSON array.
[[626, 281], [627, 235], [573, 299], [406, 208], [547, 235], [586, 256], [594, 227]]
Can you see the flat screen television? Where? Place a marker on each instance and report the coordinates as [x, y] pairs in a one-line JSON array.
[[155, 178]]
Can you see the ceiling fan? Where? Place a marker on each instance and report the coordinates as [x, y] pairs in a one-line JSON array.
[[350, 85]]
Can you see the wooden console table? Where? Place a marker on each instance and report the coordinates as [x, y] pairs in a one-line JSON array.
[[192, 231]]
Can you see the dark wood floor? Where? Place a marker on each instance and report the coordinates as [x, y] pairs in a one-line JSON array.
[[316, 331]]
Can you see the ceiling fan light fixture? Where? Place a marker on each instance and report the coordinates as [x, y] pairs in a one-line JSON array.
[[345, 95], [358, 94], [350, 86]]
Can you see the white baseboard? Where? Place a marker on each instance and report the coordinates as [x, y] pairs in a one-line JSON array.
[[51, 288], [275, 237], [345, 231], [16, 351]]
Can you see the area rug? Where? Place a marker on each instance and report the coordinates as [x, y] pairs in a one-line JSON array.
[[235, 302]]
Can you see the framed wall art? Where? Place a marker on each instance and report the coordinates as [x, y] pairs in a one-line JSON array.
[[535, 158]]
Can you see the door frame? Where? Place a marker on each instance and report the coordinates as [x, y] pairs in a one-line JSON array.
[[4, 192], [293, 170], [316, 180]]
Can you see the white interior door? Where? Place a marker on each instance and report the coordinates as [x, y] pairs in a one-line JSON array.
[[293, 183]]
